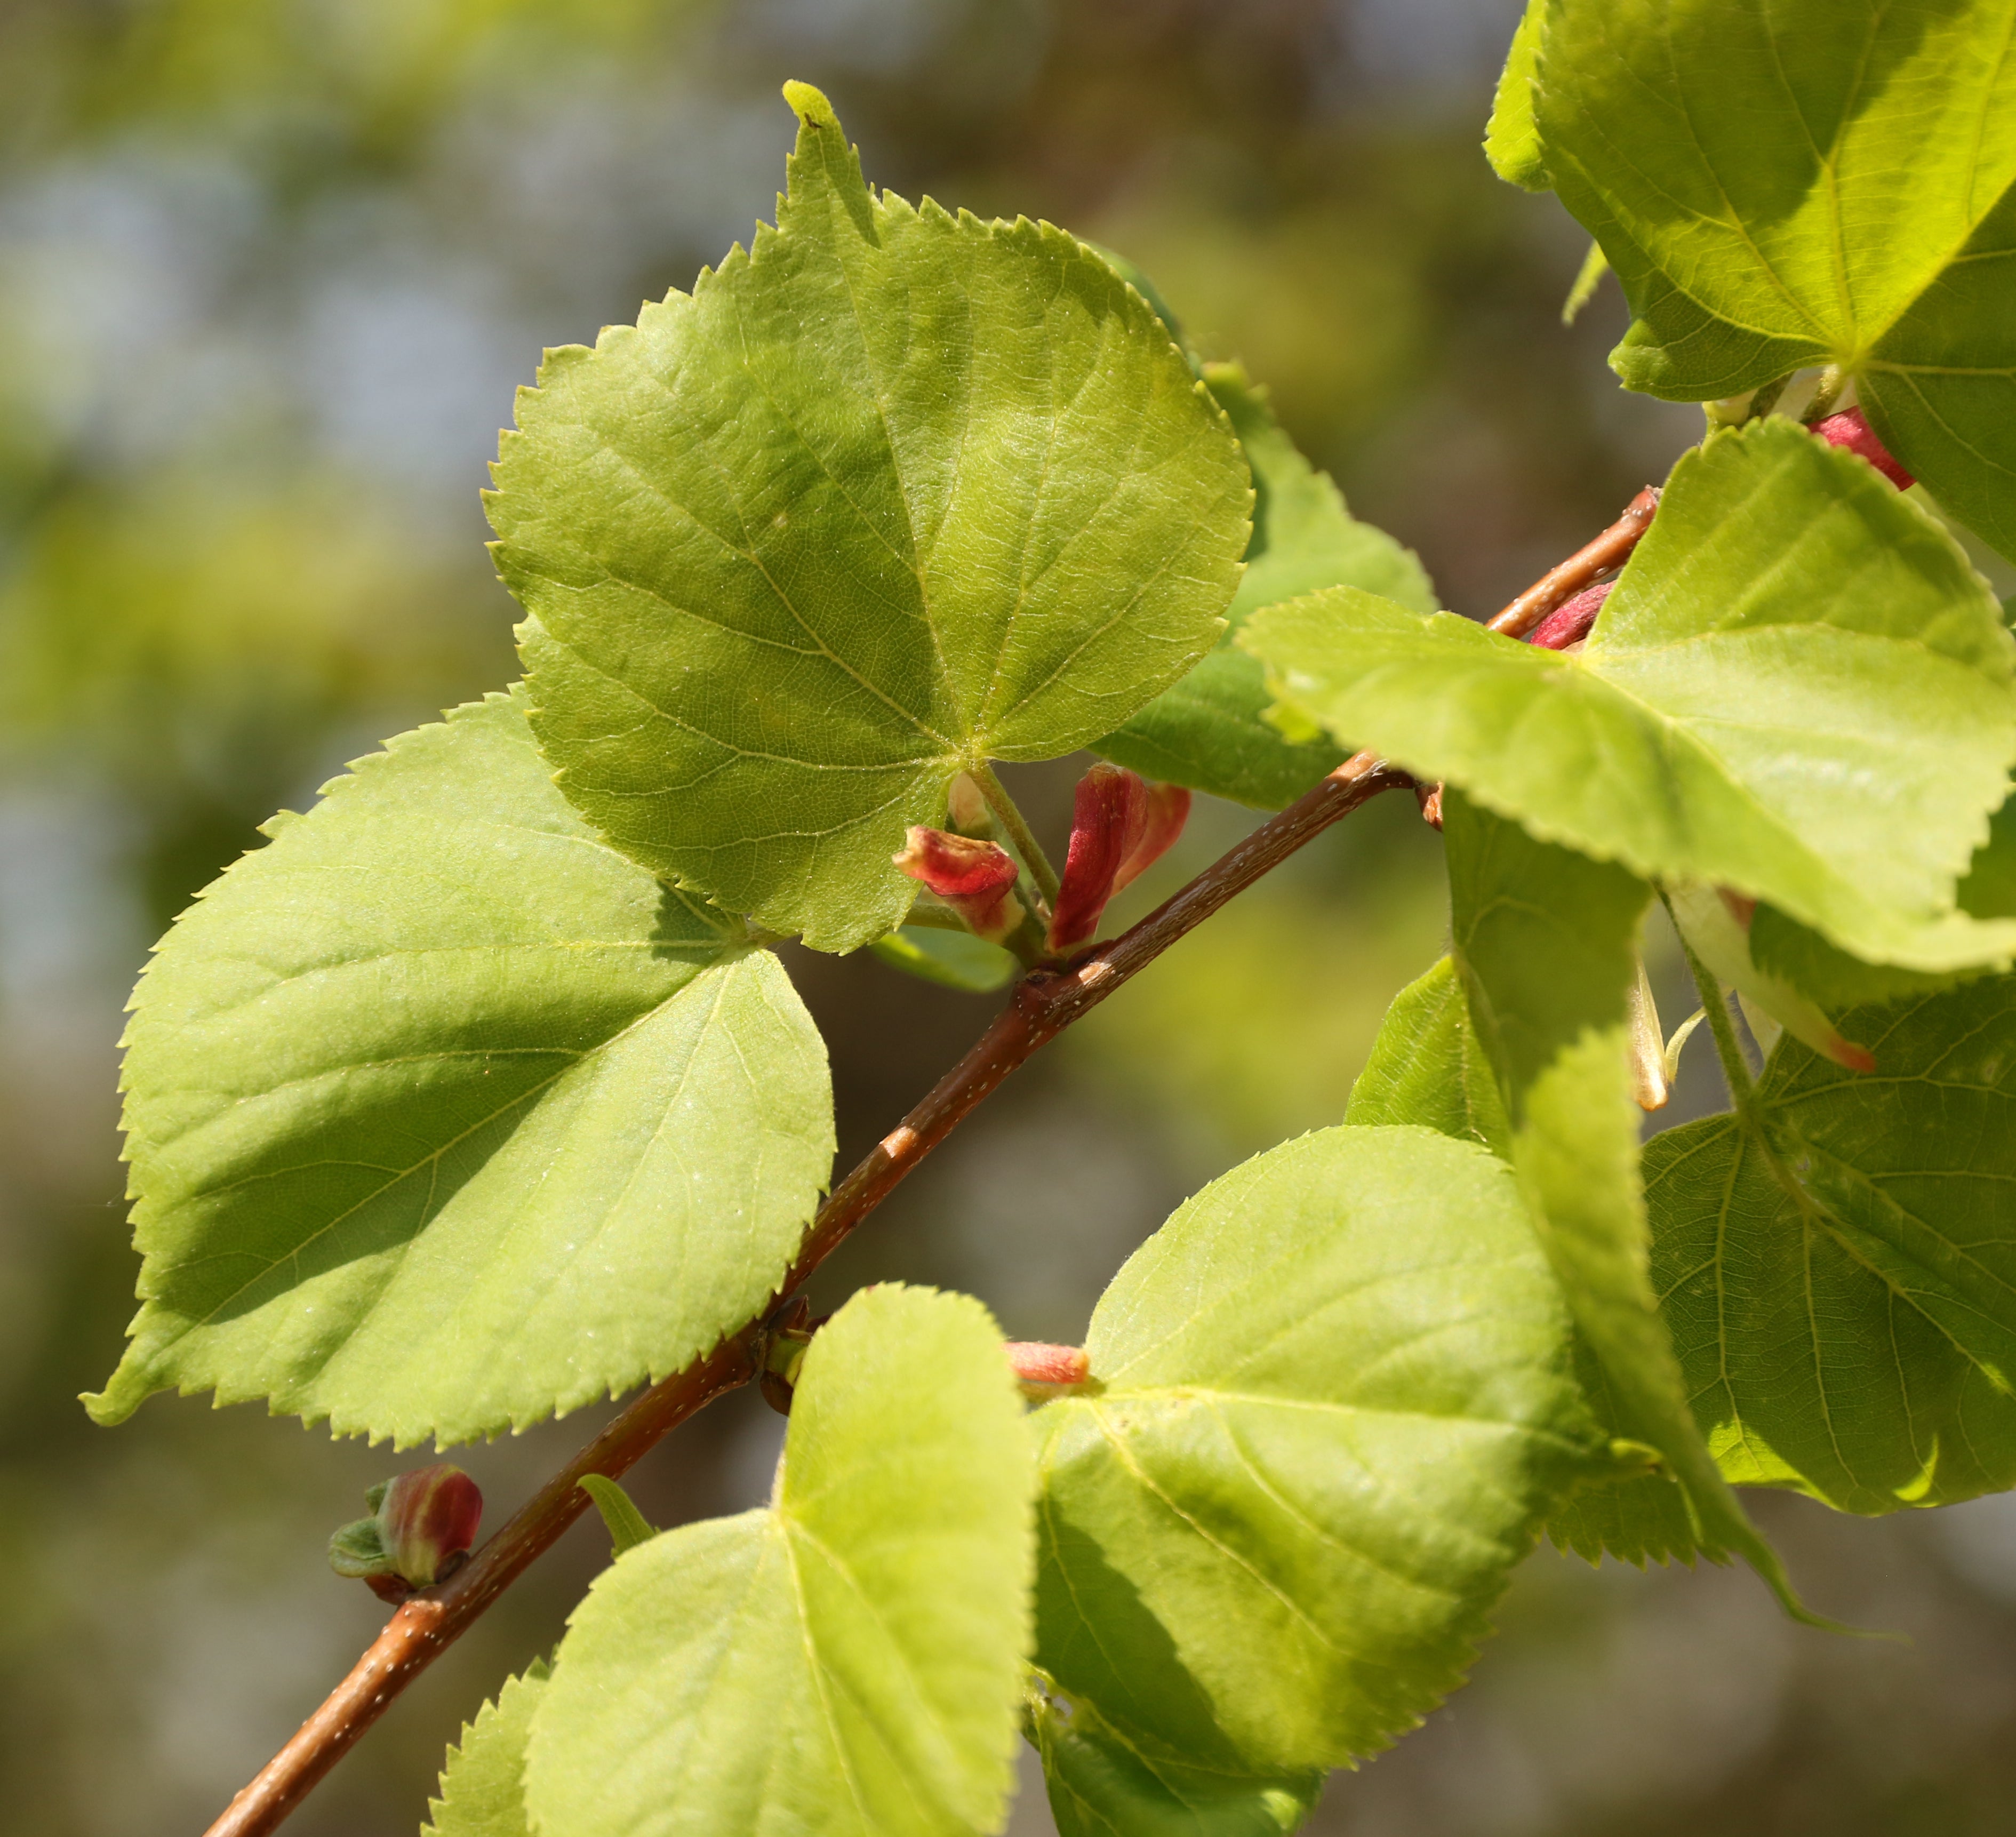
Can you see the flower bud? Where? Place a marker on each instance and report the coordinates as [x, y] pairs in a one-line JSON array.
[[1046, 1372], [1121, 825], [421, 1526], [1851, 428], [1569, 623], [966, 806], [976, 879], [1716, 923]]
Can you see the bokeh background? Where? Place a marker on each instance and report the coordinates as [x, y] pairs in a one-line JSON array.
[[269, 272]]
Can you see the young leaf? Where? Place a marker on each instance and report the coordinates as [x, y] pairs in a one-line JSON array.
[[1429, 1068], [1208, 732], [1512, 138], [891, 493], [955, 959], [628, 1527], [483, 1785], [849, 1660], [1780, 183], [1799, 689], [1835, 1264], [1544, 940], [1332, 1401], [443, 1116]]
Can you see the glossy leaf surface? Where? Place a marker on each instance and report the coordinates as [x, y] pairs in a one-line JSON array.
[[849, 1660], [1209, 731], [1332, 1401], [443, 1116], [1799, 689], [483, 1785], [1781, 183], [892, 493], [1838, 1268]]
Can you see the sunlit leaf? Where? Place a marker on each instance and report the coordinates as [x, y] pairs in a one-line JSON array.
[[443, 1116], [483, 1785], [1208, 732], [1544, 939], [850, 1660], [1512, 138], [1332, 1400], [1780, 183], [891, 493], [1799, 689], [1838, 1266], [1428, 1069]]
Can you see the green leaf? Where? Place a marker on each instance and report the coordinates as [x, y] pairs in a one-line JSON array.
[[1544, 939], [1780, 183], [1331, 1401], [628, 1527], [1427, 1067], [444, 1116], [956, 959], [891, 493], [1101, 1786], [1799, 689], [483, 1785], [1512, 138], [1210, 731], [1836, 1266], [850, 1660]]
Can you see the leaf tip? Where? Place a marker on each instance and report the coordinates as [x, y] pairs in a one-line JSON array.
[[810, 105]]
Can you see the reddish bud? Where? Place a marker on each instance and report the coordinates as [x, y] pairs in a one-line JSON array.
[[1851, 428], [1570, 621], [976, 879], [422, 1525], [1120, 825], [1046, 1372]]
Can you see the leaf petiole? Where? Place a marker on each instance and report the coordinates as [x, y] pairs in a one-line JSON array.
[[1021, 838]]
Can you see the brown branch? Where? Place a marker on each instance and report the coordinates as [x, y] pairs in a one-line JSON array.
[[1045, 1003], [1560, 584]]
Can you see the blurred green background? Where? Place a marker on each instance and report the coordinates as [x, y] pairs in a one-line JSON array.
[[269, 270]]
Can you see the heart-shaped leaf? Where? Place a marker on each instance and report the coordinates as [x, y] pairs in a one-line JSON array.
[[443, 1116], [849, 1661], [1331, 1401], [893, 493]]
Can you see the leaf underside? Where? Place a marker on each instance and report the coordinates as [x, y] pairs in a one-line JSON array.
[[849, 1661], [443, 1116], [892, 493], [1781, 183], [1838, 1271]]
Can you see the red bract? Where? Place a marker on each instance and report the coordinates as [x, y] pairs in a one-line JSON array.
[[976, 879], [1851, 428], [1121, 825], [1569, 622]]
